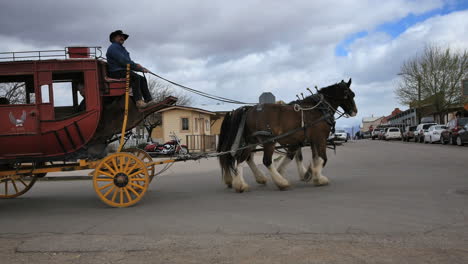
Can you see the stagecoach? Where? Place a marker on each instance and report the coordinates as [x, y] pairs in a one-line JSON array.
[[52, 128]]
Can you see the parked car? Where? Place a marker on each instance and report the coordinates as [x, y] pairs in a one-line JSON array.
[[408, 133], [453, 127], [366, 134], [393, 133], [433, 133], [381, 134], [419, 132], [375, 133], [462, 136], [341, 135]]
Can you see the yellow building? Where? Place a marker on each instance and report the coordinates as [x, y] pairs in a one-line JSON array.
[[192, 125]]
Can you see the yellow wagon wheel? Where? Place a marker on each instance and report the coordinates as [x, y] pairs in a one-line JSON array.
[[146, 158], [121, 179], [15, 185]]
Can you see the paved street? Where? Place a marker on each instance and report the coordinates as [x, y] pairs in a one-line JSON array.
[[388, 202]]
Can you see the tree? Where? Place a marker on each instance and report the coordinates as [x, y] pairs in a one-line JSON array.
[[14, 92], [160, 91], [435, 76]]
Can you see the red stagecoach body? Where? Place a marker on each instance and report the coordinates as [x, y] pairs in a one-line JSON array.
[[41, 129]]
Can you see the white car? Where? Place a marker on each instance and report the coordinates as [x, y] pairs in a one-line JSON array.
[[393, 133], [341, 135], [433, 133]]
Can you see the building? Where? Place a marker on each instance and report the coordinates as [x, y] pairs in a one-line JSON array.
[[407, 117], [368, 123], [192, 125]]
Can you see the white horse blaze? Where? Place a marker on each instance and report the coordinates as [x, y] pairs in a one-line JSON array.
[[317, 177], [259, 177]]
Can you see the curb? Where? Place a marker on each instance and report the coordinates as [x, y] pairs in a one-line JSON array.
[[65, 178]]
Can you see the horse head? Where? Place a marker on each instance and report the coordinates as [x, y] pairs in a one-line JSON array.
[[341, 95]]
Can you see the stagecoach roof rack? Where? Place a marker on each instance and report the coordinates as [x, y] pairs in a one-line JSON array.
[[80, 52]]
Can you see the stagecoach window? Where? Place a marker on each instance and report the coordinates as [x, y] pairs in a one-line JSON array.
[[17, 89], [63, 95], [67, 99], [185, 123], [45, 98]]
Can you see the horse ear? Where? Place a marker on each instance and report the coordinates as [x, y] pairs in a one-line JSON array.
[[349, 82]]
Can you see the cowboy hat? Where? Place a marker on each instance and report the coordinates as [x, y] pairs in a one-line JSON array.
[[116, 33]]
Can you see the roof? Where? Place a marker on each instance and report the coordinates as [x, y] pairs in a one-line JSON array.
[[188, 108], [219, 107], [371, 119]]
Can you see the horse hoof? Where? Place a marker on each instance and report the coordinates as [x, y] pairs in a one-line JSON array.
[[242, 188], [229, 185], [283, 188], [321, 181], [263, 181]]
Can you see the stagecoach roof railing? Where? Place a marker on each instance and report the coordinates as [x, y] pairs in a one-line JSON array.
[[93, 52]]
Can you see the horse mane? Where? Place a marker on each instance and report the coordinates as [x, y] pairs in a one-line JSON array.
[[315, 98]]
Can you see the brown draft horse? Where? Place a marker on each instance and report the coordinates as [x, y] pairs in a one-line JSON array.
[[310, 120]]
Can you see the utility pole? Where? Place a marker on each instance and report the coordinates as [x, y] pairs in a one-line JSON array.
[[418, 114]]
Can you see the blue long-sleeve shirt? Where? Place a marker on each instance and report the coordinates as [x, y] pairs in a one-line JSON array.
[[118, 58]]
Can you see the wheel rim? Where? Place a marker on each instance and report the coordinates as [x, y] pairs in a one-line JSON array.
[[15, 185], [121, 180], [146, 158]]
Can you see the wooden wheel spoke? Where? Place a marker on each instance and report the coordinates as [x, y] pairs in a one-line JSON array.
[[6, 188], [124, 169], [21, 180], [136, 185], [115, 194], [109, 168], [14, 185], [133, 191], [109, 191], [106, 186], [136, 173], [105, 173], [131, 168], [114, 162], [121, 196], [127, 194], [138, 180]]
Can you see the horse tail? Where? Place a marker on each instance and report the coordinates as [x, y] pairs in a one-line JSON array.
[[227, 136]]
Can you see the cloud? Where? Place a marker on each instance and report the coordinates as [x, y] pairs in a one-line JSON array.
[[242, 48]]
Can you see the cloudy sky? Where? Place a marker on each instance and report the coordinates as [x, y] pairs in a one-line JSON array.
[[239, 49]]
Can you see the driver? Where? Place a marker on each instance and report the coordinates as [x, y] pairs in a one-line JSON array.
[[117, 60]]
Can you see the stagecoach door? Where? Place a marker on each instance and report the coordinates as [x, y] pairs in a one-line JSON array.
[[19, 134]]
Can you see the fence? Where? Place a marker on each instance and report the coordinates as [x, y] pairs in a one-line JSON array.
[[201, 143]]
